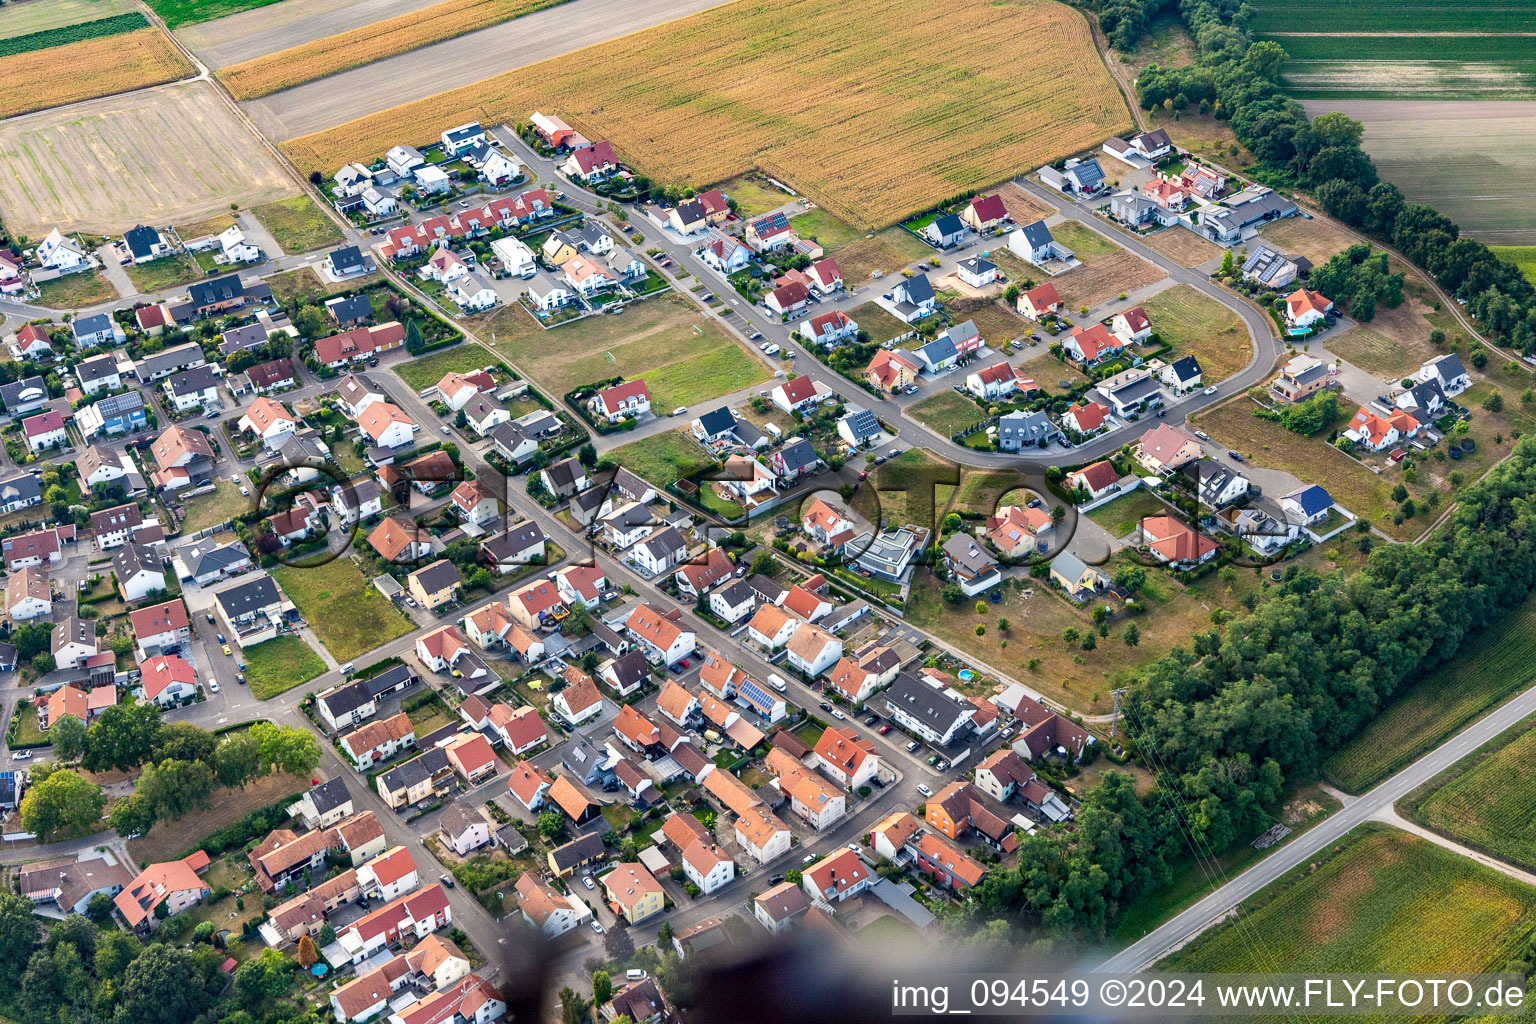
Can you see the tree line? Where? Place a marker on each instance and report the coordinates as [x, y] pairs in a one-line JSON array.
[[1225, 721], [182, 765]]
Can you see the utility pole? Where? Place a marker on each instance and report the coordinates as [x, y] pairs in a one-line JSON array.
[[1115, 719]]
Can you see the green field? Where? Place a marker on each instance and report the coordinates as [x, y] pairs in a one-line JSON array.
[[1371, 16], [211, 509], [1197, 325], [1522, 256], [297, 224], [428, 370], [279, 665], [1377, 900], [45, 15], [661, 458], [168, 272], [345, 610], [882, 326], [683, 355], [829, 231], [188, 12], [115, 25], [754, 195], [947, 412], [1486, 800], [1483, 673], [1119, 517], [1085, 243]]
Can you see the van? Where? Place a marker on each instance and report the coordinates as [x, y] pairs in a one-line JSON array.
[[346, 669], [634, 974], [777, 683]]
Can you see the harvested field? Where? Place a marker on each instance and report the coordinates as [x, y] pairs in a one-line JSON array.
[[1182, 245], [1318, 239], [1485, 800], [309, 61], [656, 92], [1196, 324], [684, 356], [1486, 670], [1467, 159], [1377, 900], [889, 251], [156, 157], [1023, 206], [43, 15], [95, 67], [247, 34], [1104, 278]]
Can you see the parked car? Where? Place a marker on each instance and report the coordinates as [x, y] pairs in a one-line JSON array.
[[924, 790], [884, 729], [597, 927], [837, 714], [213, 687], [447, 880], [1211, 390], [912, 747], [22, 755], [586, 880], [227, 651]]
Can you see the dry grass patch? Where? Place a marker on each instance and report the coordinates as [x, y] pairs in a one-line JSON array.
[[889, 251], [170, 839], [1196, 324], [1182, 245], [159, 156], [93, 67], [1024, 207], [1373, 352], [1104, 278], [296, 65], [809, 91], [1317, 239]]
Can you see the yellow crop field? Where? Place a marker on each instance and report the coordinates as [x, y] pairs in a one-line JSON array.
[[875, 109], [273, 72], [87, 69]]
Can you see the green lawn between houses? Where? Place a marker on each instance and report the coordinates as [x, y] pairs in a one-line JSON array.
[[280, 664], [346, 612]]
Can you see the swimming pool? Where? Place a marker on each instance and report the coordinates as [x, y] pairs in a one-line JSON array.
[[967, 675]]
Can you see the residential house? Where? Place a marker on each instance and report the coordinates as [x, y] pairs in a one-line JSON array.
[[1130, 392], [1000, 380], [1269, 267], [628, 400], [849, 759], [1215, 485], [592, 163], [1096, 480], [1020, 430], [944, 231], [970, 564], [28, 595], [813, 650], [977, 272], [1378, 433], [1182, 376], [161, 891], [1175, 544], [769, 232], [44, 431], [373, 743], [386, 426], [1092, 346], [1166, 448], [1304, 307], [1036, 302], [659, 636], [927, 711], [634, 891], [1020, 531], [1448, 371], [1307, 506], [1034, 243], [827, 329], [580, 701], [139, 571], [891, 371], [912, 299], [1302, 377], [984, 213], [96, 329], [836, 877]]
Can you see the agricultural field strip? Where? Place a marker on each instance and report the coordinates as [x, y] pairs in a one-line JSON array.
[[240, 37], [309, 61], [42, 15], [97, 67], [1487, 800], [801, 110]]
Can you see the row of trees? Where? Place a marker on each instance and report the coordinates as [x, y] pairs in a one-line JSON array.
[[182, 765], [1226, 721], [1359, 280]]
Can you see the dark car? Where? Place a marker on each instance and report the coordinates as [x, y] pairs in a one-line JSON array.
[[447, 880]]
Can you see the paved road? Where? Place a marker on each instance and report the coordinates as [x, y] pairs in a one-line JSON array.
[[263, 30], [1218, 904], [470, 58]]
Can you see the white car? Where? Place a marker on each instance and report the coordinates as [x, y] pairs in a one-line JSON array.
[[772, 350], [837, 714], [22, 755], [1202, 435], [214, 686], [924, 790], [586, 880], [1210, 390]]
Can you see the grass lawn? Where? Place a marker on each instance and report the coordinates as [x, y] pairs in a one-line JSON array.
[[683, 355], [164, 273], [1485, 671], [1190, 882], [279, 665], [1374, 353], [209, 509], [1310, 459], [1120, 516], [947, 412], [297, 224], [1084, 242], [618, 816], [211, 225], [27, 733], [429, 369], [1485, 800], [882, 326], [75, 290], [889, 251], [826, 229], [754, 195], [661, 458], [1196, 324], [1374, 901], [346, 612], [170, 839]]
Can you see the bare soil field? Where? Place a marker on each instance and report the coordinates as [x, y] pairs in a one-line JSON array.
[[304, 63], [157, 156], [1023, 206], [19, 19], [85, 70], [1182, 245], [1104, 278], [803, 108], [239, 37], [1472, 160], [454, 65], [1317, 239]]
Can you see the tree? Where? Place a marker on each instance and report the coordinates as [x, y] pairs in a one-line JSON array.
[[63, 802], [75, 930], [133, 815], [172, 788], [288, 748], [1494, 402], [327, 935], [122, 738], [587, 455], [262, 979], [237, 760], [18, 934], [573, 1008], [55, 978], [952, 594], [183, 741], [307, 953], [115, 950], [1090, 641], [762, 563], [68, 735], [1131, 577], [551, 824], [602, 988], [793, 876], [413, 342], [1132, 635], [99, 909], [618, 944], [1227, 264]]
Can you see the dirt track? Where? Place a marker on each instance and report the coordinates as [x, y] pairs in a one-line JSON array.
[[456, 62], [264, 30]]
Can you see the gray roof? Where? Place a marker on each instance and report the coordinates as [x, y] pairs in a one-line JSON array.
[[170, 359], [193, 381], [132, 559], [1025, 427], [237, 338], [219, 558], [364, 490], [345, 699], [97, 323], [717, 421], [564, 472], [1211, 478], [925, 703], [1087, 174], [664, 543], [947, 224], [417, 770], [1312, 373], [456, 819], [736, 594], [1424, 392], [440, 575], [1187, 368], [389, 679], [588, 847], [862, 423], [630, 669], [1137, 390], [977, 265], [22, 488], [141, 240], [96, 368], [73, 628], [1037, 234], [1312, 499], [348, 257], [329, 795], [766, 587], [1264, 264], [1070, 566], [23, 392], [798, 454], [509, 437], [916, 289], [938, 350], [963, 550], [350, 307], [1448, 367], [248, 597]]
